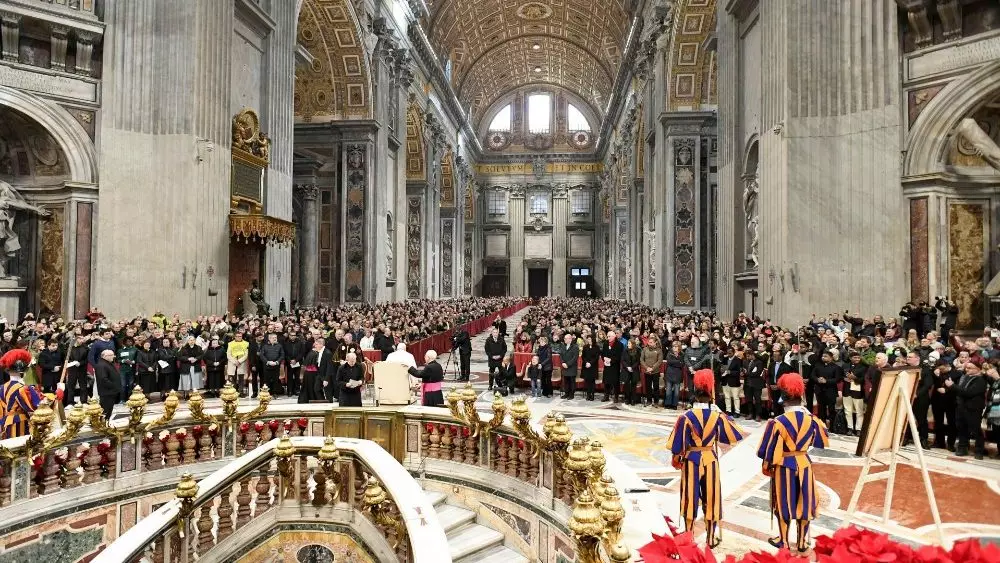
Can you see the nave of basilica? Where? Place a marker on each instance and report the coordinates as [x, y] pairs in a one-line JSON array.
[[249, 206]]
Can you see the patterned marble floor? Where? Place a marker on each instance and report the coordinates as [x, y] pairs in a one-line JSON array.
[[967, 491]]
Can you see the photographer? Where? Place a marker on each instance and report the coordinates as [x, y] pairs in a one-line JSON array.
[[461, 342], [949, 316]]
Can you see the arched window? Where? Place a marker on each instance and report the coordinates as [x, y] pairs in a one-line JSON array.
[[501, 122], [539, 113], [575, 121]]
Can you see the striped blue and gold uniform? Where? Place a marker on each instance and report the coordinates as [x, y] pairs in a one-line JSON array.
[[784, 449], [693, 443], [19, 401]]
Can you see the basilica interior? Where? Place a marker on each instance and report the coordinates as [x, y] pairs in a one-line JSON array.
[[741, 157]]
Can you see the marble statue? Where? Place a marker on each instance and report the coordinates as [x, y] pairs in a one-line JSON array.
[[981, 143], [751, 191], [10, 203]]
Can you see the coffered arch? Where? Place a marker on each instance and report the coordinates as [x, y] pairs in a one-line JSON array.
[[416, 167], [497, 45], [692, 55], [514, 64], [336, 85]]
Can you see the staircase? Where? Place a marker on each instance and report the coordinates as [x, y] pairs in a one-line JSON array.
[[468, 541]]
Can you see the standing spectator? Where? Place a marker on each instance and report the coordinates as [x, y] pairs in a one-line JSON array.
[[922, 396], [696, 357], [146, 368], [102, 343], [272, 355], [943, 406], [753, 385], [569, 357], [295, 351], [631, 374], [166, 359], [126, 363], [237, 354], [590, 355], [652, 360], [215, 366], [970, 395], [77, 382], [854, 394], [674, 374], [733, 382], [545, 361], [611, 354], [350, 377], [826, 379], [495, 350], [109, 382], [189, 358], [50, 361]]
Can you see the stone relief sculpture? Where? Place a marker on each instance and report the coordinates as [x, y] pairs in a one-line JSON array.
[[751, 191], [981, 143], [651, 246], [10, 203]]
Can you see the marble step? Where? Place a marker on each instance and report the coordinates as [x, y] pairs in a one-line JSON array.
[[497, 554], [471, 539], [453, 517], [435, 498]]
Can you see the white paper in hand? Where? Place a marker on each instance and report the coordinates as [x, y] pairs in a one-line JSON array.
[[163, 364]]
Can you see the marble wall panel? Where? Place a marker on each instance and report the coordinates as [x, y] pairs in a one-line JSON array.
[[84, 247], [75, 537], [447, 257], [919, 281], [967, 261], [50, 269], [684, 221], [414, 243], [307, 546], [356, 182]]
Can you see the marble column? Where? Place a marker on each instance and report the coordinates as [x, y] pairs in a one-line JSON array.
[[560, 215], [309, 252], [516, 275]]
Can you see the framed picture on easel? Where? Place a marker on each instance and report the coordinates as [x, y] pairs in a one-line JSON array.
[[878, 407]]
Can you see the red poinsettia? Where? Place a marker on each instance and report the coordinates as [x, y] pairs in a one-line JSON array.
[[670, 549], [258, 426], [852, 544], [466, 432], [303, 422], [971, 551], [430, 427], [273, 425], [783, 556], [244, 426]]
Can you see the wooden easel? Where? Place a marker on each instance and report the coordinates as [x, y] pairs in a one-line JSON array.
[[897, 412]]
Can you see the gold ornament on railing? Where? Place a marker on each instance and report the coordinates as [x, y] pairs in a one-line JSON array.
[[186, 490], [230, 406], [555, 437], [328, 456], [376, 502], [284, 450], [39, 426], [463, 407]]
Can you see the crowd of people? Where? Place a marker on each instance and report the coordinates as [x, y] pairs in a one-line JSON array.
[[840, 357], [313, 354]]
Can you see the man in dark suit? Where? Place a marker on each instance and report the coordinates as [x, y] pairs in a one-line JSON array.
[[569, 355], [431, 376], [109, 382], [326, 371], [611, 353], [496, 348]]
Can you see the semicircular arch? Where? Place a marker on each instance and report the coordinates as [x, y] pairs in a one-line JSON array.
[[79, 150], [337, 84], [933, 129]]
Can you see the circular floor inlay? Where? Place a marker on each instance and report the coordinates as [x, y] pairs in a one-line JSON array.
[[314, 554]]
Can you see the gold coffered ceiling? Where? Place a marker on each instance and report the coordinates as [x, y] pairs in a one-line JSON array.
[[498, 45]]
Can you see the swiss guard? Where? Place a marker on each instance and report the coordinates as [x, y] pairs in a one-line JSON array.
[[784, 451], [19, 400], [694, 443]]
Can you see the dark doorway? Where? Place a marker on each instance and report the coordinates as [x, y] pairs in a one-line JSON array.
[[494, 286], [538, 282]]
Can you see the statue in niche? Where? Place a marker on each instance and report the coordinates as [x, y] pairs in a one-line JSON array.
[[10, 203], [751, 191]]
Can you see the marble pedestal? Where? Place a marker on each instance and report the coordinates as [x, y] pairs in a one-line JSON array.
[[11, 291]]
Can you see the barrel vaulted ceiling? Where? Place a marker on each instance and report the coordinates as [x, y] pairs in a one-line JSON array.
[[496, 46]]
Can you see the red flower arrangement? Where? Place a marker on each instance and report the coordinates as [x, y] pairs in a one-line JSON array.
[[213, 430], [429, 428], [303, 422], [258, 426], [273, 425], [197, 430], [465, 432], [244, 427]]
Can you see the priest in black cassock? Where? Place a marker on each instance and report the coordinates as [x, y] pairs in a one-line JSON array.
[[350, 379], [431, 376]]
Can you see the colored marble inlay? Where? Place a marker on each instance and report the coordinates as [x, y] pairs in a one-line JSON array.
[[447, 257], [357, 180], [917, 100], [414, 241], [50, 275], [919, 282], [307, 546], [71, 546], [966, 262], [519, 525], [684, 221], [84, 240]]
